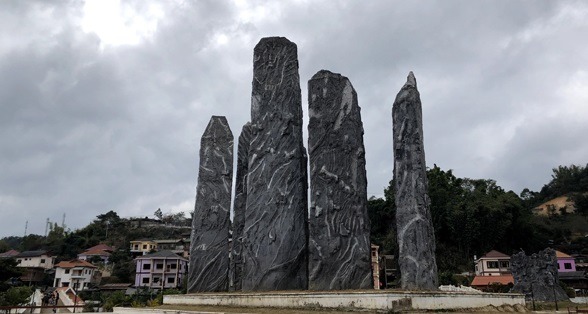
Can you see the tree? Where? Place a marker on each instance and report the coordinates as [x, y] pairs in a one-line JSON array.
[[123, 265], [8, 270], [4, 246], [581, 203], [382, 214], [158, 213], [15, 296]]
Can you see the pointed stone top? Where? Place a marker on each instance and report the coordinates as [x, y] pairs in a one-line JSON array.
[[326, 73], [218, 118], [411, 80], [215, 124]]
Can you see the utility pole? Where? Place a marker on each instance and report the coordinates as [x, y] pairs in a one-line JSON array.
[[26, 226]]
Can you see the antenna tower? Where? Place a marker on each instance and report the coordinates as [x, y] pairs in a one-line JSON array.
[[46, 226]]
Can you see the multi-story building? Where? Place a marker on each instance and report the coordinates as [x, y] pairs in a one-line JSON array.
[[77, 274], [493, 263], [142, 247], [163, 269], [145, 246], [38, 259], [36, 264]]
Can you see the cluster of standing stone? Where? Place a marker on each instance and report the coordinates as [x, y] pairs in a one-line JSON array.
[[276, 244], [537, 275]]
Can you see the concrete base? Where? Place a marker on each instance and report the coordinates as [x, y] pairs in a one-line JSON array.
[[351, 300]]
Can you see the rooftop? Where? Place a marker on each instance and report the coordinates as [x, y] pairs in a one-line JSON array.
[[102, 247], [96, 252], [495, 254], [74, 263], [10, 253], [161, 254], [32, 253], [487, 280], [559, 254]]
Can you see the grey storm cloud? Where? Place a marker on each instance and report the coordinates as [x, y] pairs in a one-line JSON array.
[[88, 126]]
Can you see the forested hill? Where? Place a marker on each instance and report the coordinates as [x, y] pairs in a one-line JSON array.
[[474, 216]]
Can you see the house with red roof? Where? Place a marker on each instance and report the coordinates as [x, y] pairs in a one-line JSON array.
[[76, 274], [491, 269], [9, 254], [100, 251]]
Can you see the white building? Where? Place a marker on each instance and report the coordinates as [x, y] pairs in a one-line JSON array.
[[37, 259], [493, 263], [76, 274]]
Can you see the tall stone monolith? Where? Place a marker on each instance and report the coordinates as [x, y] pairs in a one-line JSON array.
[[416, 238], [339, 240], [236, 268], [209, 253], [275, 234]]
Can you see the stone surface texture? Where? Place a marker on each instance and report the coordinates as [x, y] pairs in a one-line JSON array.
[[209, 255], [339, 233], [236, 268], [537, 274], [416, 238], [275, 235]]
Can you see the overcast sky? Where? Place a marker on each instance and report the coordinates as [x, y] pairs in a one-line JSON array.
[[103, 103]]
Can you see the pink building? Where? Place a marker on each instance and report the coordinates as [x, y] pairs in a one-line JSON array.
[[163, 269], [565, 263]]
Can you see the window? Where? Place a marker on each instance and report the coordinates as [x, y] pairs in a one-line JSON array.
[[159, 266], [504, 264], [156, 279], [145, 280], [144, 246], [492, 264], [67, 271], [568, 265], [146, 266], [42, 261], [171, 280], [173, 266], [65, 284]]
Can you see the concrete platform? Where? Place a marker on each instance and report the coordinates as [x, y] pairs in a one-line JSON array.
[[383, 300]]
